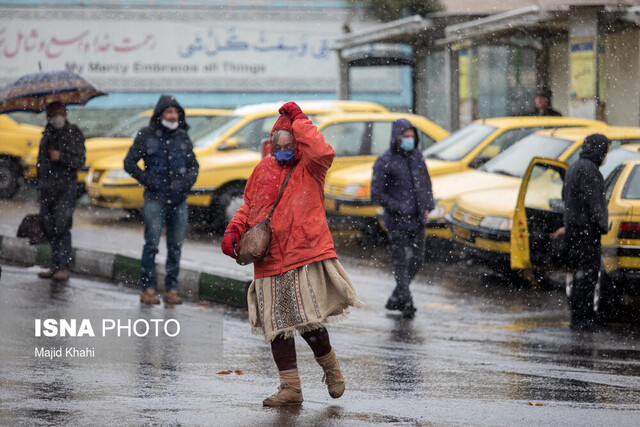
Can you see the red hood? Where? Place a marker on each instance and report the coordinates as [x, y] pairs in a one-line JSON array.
[[284, 123]]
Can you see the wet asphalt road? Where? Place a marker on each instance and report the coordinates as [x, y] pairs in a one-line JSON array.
[[479, 352]]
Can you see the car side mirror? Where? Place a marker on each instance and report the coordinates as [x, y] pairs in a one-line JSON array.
[[230, 144], [478, 161]]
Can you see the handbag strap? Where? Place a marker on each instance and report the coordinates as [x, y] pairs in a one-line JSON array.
[[284, 184]]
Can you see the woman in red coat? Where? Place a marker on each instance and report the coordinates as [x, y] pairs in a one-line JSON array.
[[299, 284]]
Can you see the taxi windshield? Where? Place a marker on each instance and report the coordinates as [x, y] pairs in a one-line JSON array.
[[460, 143], [515, 160]]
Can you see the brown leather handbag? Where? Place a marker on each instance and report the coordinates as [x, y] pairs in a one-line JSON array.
[[254, 244]]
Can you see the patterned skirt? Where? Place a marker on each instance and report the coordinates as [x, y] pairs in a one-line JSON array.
[[300, 299]]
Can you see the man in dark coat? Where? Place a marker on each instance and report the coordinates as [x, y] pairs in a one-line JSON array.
[[170, 170], [402, 186], [543, 103], [585, 220], [61, 154]]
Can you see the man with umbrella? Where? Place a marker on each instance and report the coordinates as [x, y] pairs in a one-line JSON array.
[[61, 154]]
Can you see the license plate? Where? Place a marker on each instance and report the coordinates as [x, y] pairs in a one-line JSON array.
[[93, 191], [462, 233]]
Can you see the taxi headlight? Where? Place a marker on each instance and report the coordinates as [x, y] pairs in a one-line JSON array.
[[118, 174], [496, 223], [356, 190], [437, 213]]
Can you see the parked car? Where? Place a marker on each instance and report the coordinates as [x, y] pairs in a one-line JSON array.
[[539, 211], [348, 195], [227, 155], [16, 141], [483, 220], [118, 140]]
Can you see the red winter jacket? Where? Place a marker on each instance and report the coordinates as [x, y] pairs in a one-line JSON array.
[[299, 230]]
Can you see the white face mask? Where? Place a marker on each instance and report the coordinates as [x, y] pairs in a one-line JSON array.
[[169, 125], [57, 121]]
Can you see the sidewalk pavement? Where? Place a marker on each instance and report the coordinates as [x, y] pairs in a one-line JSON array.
[[105, 245]]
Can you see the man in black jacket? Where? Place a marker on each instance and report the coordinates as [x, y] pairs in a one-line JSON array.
[[61, 154], [402, 186], [543, 103], [585, 220], [170, 170]]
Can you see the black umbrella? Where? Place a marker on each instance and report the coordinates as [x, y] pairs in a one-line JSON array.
[[33, 92]]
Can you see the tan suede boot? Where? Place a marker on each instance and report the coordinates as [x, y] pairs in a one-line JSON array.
[[149, 296], [332, 374], [290, 390], [171, 297]]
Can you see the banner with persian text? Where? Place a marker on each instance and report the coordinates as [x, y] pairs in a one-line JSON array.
[[174, 49]]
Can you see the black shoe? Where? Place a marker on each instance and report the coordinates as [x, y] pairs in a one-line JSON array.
[[393, 303], [408, 311]]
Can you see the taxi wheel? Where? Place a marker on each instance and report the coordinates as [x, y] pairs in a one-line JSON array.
[[225, 206], [9, 178], [606, 298]]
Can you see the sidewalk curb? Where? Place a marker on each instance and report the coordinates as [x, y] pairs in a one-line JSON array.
[[192, 284]]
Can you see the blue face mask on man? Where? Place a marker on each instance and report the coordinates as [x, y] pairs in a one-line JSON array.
[[407, 143], [284, 156]]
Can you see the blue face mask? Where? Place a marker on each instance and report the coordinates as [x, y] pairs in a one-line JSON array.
[[284, 156], [407, 144]]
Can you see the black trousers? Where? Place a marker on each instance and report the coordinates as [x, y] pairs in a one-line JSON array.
[[407, 252], [584, 251], [56, 207]]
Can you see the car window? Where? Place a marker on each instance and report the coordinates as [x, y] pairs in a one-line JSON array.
[[346, 138], [631, 188], [250, 135], [515, 160], [544, 190], [615, 158], [506, 140], [213, 136], [200, 126], [381, 138], [129, 127], [611, 180], [460, 143]]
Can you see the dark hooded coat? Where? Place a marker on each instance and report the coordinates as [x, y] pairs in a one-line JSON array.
[[170, 166], [69, 141], [401, 183], [586, 213], [583, 190]]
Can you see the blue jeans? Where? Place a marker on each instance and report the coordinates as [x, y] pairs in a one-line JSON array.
[[156, 214]]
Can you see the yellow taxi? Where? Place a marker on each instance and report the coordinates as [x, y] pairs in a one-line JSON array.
[[482, 219], [227, 155], [118, 140], [16, 141], [539, 212], [347, 192]]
